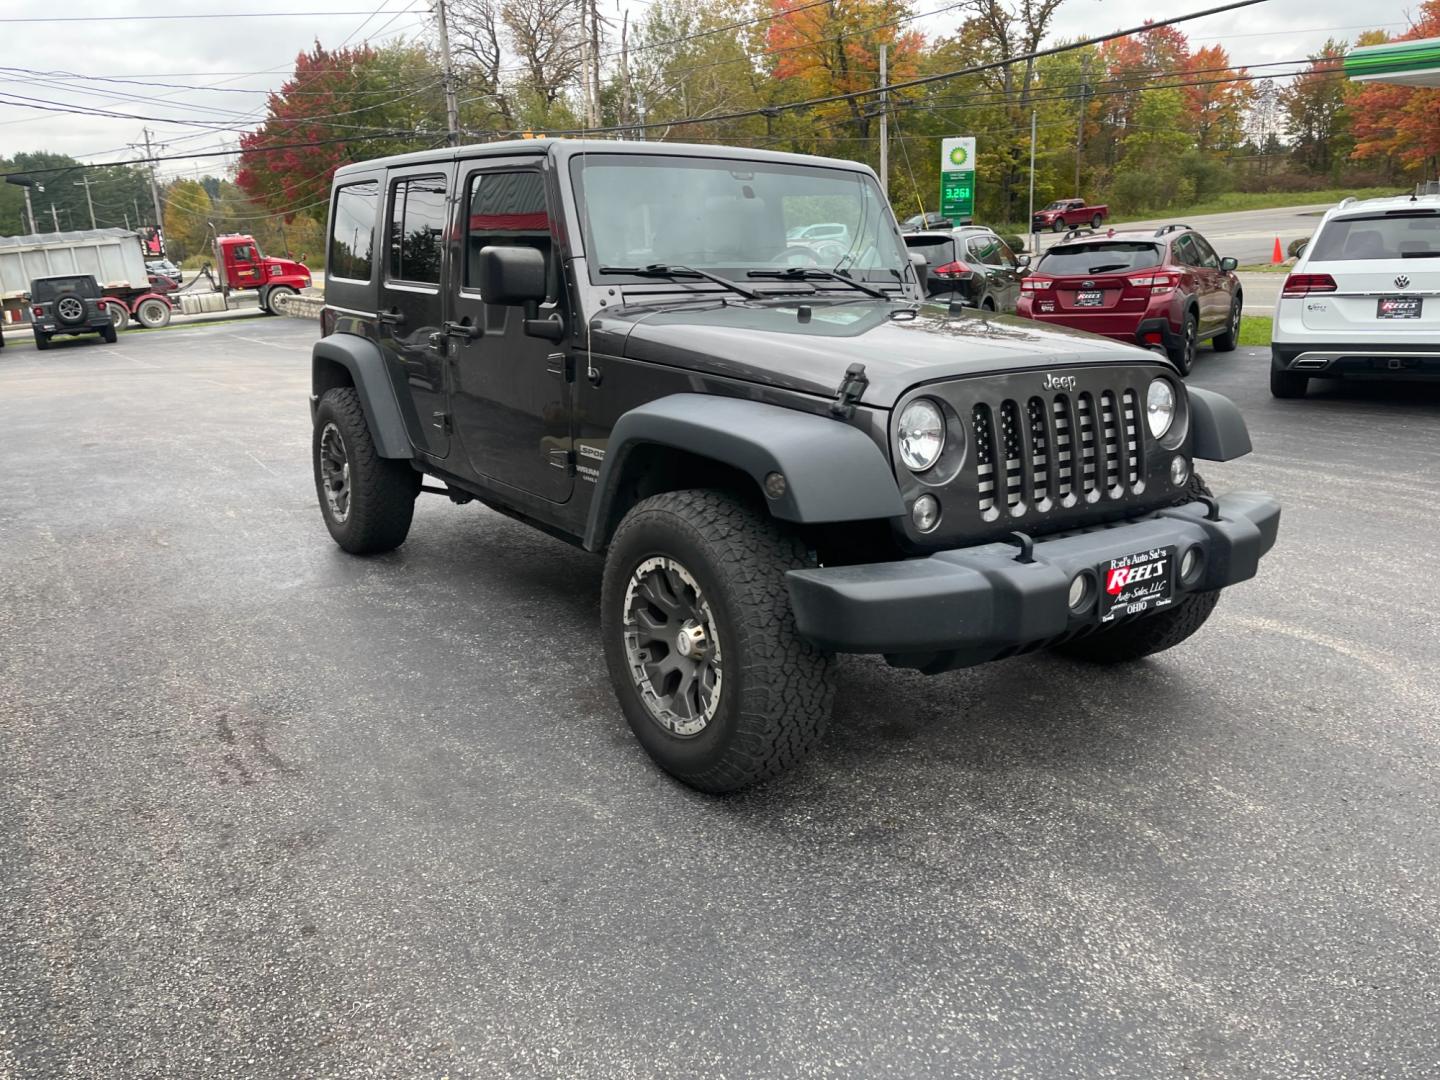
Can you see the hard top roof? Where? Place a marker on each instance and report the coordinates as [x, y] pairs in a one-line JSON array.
[[563, 149], [1385, 202]]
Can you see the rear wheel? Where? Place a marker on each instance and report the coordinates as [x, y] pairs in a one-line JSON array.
[[701, 645], [109, 334], [153, 314], [1095, 220], [1182, 354], [1227, 341], [1287, 384], [368, 501]]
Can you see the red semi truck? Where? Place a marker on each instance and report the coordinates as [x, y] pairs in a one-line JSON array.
[[243, 266]]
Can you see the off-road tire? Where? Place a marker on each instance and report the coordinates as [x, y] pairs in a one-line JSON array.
[[1183, 355], [1230, 339], [42, 341], [1287, 384], [109, 334], [776, 689], [382, 490]]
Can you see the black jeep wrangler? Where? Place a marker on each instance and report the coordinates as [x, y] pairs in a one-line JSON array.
[[68, 305], [783, 454]]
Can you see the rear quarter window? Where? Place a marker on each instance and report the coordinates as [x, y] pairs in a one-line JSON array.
[[938, 250], [1382, 236], [1099, 258], [352, 231]]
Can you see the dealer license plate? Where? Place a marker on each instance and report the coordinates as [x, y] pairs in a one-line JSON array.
[[1398, 307], [1089, 298], [1133, 584]]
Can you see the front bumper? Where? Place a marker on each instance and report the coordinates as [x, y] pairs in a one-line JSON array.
[[970, 605]]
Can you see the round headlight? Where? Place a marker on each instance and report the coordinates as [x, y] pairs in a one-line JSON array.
[[1160, 407], [922, 434]]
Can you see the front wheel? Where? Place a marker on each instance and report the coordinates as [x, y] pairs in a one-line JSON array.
[[42, 341], [368, 501], [701, 645], [109, 334], [119, 316], [277, 292], [1058, 226]]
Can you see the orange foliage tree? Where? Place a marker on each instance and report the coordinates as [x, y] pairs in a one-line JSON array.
[[1400, 121]]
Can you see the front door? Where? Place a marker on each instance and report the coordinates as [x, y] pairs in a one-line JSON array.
[[512, 394], [1216, 301], [244, 270], [411, 303]]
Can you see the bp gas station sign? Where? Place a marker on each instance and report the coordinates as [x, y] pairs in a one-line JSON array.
[[957, 179]]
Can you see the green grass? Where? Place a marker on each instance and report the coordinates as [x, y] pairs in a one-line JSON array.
[[1266, 200], [1255, 329], [1266, 268]]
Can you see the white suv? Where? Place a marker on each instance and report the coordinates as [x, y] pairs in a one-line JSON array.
[[1364, 297]]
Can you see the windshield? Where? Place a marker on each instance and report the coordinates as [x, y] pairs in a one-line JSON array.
[[1407, 235], [730, 217], [1101, 258], [49, 288]]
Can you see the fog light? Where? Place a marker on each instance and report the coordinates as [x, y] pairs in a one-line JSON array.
[[1179, 470], [775, 485], [1080, 590], [926, 513], [1190, 565]]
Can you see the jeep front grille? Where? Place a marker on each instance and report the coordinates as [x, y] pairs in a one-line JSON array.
[[1057, 450]]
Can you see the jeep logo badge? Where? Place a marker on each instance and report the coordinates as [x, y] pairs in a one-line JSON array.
[[1058, 382]]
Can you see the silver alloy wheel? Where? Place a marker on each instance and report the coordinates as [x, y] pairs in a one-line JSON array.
[[335, 473], [672, 646], [70, 310]]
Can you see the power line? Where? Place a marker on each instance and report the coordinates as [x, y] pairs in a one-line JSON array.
[[211, 15]]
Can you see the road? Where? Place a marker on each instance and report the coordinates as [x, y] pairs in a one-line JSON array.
[[270, 810], [1247, 235]]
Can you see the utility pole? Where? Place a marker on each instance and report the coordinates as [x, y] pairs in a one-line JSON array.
[[29, 209], [1080, 121], [452, 107], [154, 183], [85, 183], [1032, 181], [884, 123], [55, 216], [595, 61]]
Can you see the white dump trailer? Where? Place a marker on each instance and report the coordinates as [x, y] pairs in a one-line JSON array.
[[112, 256]]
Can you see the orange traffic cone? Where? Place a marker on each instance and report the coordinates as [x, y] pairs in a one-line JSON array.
[[1278, 256]]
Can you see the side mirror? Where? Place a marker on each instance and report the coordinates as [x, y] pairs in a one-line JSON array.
[[515, 277], [917, 261], [511, 276], [1022, 260], [1227, 264]]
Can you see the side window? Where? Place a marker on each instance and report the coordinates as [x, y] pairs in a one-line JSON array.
[[507, 208], [1007, 257], [243, 253], [352, 231], [417, 226], [1184, 252], [986, 249], [1204, 252]]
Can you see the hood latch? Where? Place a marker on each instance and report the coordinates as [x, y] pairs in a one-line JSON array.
[[852, 388]]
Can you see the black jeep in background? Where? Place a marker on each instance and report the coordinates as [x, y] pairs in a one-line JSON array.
[[68, 305], [783, 453]]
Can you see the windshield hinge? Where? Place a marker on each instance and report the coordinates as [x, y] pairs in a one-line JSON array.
[[852, 388]]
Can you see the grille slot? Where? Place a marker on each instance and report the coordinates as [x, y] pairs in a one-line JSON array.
[[1057, 451]]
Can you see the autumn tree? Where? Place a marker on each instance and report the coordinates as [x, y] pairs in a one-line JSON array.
[[1216, 98], [187, 218], [1315, 116], [1400, 121]]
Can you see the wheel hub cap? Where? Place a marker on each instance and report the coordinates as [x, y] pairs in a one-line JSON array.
[[335, 472], [672, 646]]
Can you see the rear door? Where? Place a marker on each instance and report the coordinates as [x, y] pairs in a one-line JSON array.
[[1002, 272], [410, 301], [1386, 269]]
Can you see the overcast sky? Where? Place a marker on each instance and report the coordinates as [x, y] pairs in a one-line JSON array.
[[252, 54]]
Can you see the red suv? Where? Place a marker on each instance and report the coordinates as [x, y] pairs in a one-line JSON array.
[[1165, 288]]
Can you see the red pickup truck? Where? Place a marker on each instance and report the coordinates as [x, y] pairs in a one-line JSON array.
[[1063, 214]]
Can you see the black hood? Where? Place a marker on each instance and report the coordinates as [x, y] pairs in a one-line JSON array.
[[774, 342]]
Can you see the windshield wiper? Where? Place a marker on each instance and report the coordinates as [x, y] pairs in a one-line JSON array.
[[1106, 266], [672, 270], [817, 273]]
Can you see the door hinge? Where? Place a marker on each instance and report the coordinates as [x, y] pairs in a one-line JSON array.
[[563, 459], [441, 420], [562, 364]]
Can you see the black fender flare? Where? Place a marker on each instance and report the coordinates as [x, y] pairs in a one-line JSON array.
[[366, 365], [1218, 429], [833, 472]]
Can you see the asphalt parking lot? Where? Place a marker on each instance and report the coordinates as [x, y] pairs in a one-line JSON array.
[[270, 810]]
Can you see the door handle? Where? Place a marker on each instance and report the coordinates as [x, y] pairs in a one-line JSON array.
[[462, 330], [393, 317]]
